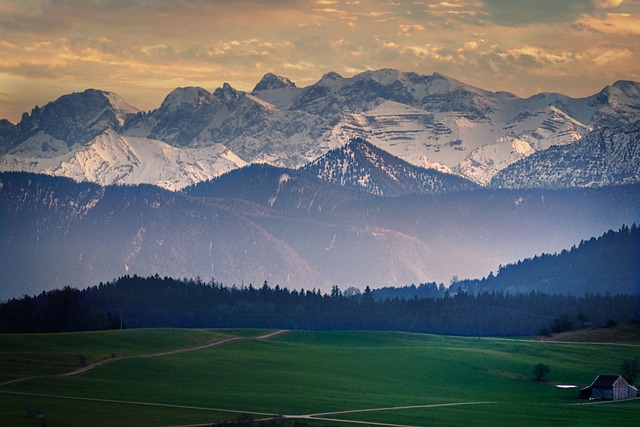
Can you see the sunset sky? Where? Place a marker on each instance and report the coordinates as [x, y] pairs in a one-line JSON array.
[[142, 49]]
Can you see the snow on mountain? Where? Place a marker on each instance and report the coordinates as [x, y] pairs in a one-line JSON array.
[[364, 166], [438, 122], [619, 104], [614, 105], [120, 107], [115, 159], [527, 133], [455, 142], [185, 96], [417, 136], [112, 159], [41, 145], [333, 94], [276, 90], [272, 81], [254, 129], [431, 121], [435, 121], [68, 122], [607, 156]]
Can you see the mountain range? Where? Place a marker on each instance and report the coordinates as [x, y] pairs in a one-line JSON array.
[[429, 121], [385, 178], [286, 226]]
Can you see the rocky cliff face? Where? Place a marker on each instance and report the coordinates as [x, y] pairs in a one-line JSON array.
[[67, 123], [431, 121], [360, 165], [607, 156]]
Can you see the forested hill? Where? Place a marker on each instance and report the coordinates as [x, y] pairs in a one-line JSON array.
[[607, 264], [166, 302], [596, 282]]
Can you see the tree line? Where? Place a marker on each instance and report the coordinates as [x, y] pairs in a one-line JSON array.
[[154, 301], [608, 263]]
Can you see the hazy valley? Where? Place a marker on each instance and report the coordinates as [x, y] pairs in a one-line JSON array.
[[382, 179]]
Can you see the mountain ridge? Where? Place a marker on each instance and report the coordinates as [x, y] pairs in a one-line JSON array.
[[363, 166], [427, 120], [286, 226], [606, 156], [577, 271]]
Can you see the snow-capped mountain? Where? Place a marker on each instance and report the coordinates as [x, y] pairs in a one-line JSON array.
[[607, 156], [529, 133], [276, 90], [254, 129], [112, 159], [430, 121], [438, 122], [363, 166], [66, 124], [441, 123]]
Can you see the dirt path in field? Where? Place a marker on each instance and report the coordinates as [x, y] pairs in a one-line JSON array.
[[164, 353], [548, 342], [95, 365], [271, 334], [394, 408], [129, 402], [324, 416]]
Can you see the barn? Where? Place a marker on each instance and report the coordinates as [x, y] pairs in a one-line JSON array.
[[609, 387]]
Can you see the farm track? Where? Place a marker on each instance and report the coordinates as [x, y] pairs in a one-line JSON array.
[[271, 334], [130, 402], [324, 416], [551, 342], [160, 354]]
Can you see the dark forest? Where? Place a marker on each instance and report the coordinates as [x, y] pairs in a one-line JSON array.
[[137, 302], [545, 294]]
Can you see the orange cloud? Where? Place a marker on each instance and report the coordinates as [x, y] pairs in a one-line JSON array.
[[144, 49]]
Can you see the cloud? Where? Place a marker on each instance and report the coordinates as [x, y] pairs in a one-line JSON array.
[[616, 24], [143, 49], [429, 51], [408, 29], [608, 4], [523, 12]]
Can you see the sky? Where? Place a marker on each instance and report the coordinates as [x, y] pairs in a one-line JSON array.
[[143, 49]]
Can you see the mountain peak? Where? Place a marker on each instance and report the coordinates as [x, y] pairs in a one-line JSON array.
[[363, 166], [331, 76], [437, 75], [227, 93], [185, 96], [628, 87], [387, 77], [431, 120], [272, 81], [97, 97], [5, 124], [72, 119]]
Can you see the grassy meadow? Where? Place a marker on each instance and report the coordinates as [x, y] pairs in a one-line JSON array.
[[435, 380]]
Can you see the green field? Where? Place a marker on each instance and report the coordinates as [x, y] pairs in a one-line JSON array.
[[427, 379]]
